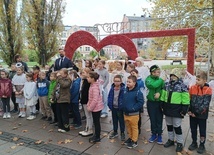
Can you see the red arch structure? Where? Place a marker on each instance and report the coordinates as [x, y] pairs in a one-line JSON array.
[[80, 38]]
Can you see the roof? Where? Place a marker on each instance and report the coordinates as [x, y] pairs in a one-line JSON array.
[[137, 18]]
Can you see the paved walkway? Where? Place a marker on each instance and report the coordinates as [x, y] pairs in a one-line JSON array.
[[19, 136]]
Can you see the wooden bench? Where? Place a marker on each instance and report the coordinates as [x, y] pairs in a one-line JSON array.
[[176, 61]]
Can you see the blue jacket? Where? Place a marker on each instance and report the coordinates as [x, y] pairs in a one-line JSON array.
[[111, 96], [74, 91], [140, 83], [42, 87], [133, 100]]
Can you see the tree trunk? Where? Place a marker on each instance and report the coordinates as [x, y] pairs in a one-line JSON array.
[[212, 39]]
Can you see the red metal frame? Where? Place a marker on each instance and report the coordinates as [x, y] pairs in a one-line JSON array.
[[80, 38]]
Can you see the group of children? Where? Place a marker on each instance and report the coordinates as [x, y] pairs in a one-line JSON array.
[[126, 97]]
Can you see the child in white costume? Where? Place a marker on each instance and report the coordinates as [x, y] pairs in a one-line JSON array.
[[18, 82], [31, 96]]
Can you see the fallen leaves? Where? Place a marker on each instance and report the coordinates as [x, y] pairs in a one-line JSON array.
[[105, 134], [15, 138], [1, 133], [65, 141], [141, 151], [51, 130], [185, 152], [38, 142], [112, 141], [14, 128], [145, 141], [80, 143], [23, 131], [20, 144], [13, 147]]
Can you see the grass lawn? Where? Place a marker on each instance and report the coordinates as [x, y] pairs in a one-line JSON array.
[[173, 66]]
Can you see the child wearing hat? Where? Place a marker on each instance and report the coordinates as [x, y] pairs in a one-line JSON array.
[[176, 101], [155, 84]]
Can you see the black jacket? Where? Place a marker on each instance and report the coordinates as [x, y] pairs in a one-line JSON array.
[[67, 63], [84, 92]]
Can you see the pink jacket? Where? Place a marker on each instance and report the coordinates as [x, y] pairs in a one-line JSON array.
[[95, 102]]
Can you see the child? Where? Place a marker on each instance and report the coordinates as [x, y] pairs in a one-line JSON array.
[[95, 104], [84, 88], [176, 101], [13, 96], [31, 96], [132, 103], [155, 84], [50, 91], [200, 99], [142, 70], [104, 76], [74, 98], [42, 88], [5, 93], [36, 70], [115, 98], [141, 87], [61, 95], [18, 82]]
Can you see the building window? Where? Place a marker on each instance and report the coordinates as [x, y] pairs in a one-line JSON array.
[[87, 48], [80, 48]]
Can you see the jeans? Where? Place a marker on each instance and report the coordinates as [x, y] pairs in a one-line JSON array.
[[76, 113], [156, 116], [53, 107], [117, 116], [6, 104], [62, 116], [105, 100], [194, 123], [96, 120]]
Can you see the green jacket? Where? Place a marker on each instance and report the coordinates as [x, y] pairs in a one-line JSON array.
[[51, 89], [154, 85]]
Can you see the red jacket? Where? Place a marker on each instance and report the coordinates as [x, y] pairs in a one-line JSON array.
[[5, 87]]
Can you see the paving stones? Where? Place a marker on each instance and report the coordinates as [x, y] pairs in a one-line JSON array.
[[49, 149]]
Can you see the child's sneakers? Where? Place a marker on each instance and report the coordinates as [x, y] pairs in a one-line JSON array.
[[132, 144], [87, 133], [5, 115], [159, 140], [153, 138], [179, 147], [20, 114], [8, 115], [193, 146], [169, 143], [113, 135], [201, 149], [23, 115], [31, 117], [127, 141]]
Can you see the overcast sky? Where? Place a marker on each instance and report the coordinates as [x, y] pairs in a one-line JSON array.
[[91, 12]]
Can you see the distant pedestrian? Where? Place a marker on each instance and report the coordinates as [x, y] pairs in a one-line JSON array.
[[104, 76], [13, 96], [5, 93], [176, 100], [31, 96], [61, 95], [132, 102], [115, 101], [74, 98], [95, 104], [84, 91], [42, 88], [18, 82], [200, 99], [18, 59], [64, 62], [155, 85]]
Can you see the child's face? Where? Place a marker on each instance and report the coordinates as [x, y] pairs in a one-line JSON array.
[[19, 71], [13, 67], [119, 66], [71, 76], [173, 78], [52, 77], [156, 73], [138, 63], [90, 80], [117, 81], [3, 75], [28, 78], [200, 81], [134, 73], [130, 84], [129, 69], [42, 75], [84, 75], [63, 74], [100, 65], [35, 71]]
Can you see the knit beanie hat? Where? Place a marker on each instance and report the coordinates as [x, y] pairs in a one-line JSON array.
[[153, 68]]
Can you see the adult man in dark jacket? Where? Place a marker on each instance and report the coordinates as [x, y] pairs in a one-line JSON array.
[[64, 62]]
